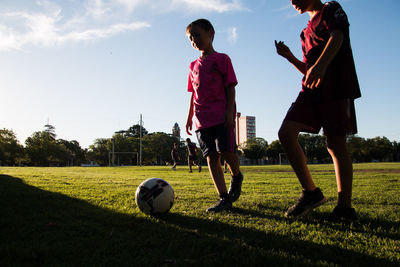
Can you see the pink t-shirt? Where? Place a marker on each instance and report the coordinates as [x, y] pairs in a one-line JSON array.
[[208, 79]]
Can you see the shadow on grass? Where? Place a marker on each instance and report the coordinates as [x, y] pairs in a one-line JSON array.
[[42, 228]]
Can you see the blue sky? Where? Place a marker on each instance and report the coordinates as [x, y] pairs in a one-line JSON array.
[[91, 67]]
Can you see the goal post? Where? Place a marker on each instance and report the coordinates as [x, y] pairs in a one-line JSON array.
[[111, 157]]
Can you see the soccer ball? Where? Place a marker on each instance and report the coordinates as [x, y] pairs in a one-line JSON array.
[[154, 196]]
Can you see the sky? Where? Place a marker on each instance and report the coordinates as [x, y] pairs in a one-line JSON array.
[[91, 67]]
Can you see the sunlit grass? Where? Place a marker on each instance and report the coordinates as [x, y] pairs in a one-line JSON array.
[[87, 216]]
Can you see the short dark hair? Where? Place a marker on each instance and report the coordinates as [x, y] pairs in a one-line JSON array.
[[188, 140], [203, 23]]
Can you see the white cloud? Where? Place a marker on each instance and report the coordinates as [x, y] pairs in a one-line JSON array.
[[209, 5], [50, 28], [53, 24], [232, 35]]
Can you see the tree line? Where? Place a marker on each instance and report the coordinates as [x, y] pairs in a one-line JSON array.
[[43, 148]]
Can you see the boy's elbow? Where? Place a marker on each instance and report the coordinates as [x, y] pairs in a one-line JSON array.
[[337, 35]]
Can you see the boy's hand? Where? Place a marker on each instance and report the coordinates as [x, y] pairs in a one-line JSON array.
[[314, 76], [228, 119], [283, 50], [189, 123]]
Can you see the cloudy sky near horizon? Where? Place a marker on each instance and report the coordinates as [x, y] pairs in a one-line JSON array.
[[92, 67]]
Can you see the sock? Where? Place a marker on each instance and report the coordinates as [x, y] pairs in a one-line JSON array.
[[224, 196]]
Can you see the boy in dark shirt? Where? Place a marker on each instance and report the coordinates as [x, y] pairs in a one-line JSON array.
[[192, 155], [329, 87], [174, 156]]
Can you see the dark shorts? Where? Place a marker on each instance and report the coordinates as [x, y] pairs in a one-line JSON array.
[[216, 139], [337, 117], [192, 157]]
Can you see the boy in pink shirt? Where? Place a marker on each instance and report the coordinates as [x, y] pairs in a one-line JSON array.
[[212, 106]]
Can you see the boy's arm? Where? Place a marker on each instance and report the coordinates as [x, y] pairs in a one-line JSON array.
[[316, 73], [285, 52], [189, 120], [230, 106]]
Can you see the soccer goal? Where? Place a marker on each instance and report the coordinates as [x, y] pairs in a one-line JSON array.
[[283, 160], [112, 156]]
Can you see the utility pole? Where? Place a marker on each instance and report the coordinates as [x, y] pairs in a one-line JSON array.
[[140, 142], [113, 154]]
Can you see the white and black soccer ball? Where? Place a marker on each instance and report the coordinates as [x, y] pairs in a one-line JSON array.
[[154, 196]]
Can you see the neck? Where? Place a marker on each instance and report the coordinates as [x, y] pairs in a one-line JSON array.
[[314, 9], [205, 53]]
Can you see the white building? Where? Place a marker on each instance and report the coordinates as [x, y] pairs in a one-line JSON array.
[[245, 128]]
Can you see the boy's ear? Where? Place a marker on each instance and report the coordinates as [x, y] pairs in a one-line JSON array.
[[211, 34]]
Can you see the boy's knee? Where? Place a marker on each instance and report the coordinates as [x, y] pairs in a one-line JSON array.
[[284, 134], [213, 156]]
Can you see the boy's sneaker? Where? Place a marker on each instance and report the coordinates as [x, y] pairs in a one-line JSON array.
[[222, 204], [343, 213], [236, 187], [308, 200]]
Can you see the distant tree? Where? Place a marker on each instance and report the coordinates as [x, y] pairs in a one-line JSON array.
[[157, 147], [43, 149], [50, 130], [75, 155], [11, 151], [396, 151], [380, 149], [124, 143], [98, 152], [255, 148], [357, 148], [273, 151], [314, 147], [134, 131]]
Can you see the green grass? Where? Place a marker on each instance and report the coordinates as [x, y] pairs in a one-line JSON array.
[[88, 217]]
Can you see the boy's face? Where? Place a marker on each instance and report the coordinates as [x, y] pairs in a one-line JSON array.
[[302, 6], [200, 38]]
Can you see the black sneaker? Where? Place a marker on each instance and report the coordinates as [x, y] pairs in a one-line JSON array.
[[199, 168], [343, 213], [308, 200], [236, 187], [222, 204]]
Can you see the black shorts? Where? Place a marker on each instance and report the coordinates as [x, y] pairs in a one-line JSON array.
[[192, 157], [216, 139], [336, 117]]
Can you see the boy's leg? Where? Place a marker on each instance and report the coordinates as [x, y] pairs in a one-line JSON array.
[[190, 164], [214, 166], [337, 148], [288, 135], [311, 196], [232, 161], [174, 165], [235, 188]]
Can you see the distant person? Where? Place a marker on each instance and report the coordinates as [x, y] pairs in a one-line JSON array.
[[329, 87], [192, 155], [174, 156], [212, 84]]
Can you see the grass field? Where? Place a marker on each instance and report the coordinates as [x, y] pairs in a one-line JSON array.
[[88, 217]]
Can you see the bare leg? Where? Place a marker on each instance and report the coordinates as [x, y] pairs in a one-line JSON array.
[[214, 166], [190, 165], [232, 161], [288, 134], [337, 148]]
